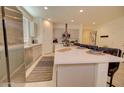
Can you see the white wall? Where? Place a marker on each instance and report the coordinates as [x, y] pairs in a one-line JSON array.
[[115, 30], [39, 30], [45, 35], [73, 29]]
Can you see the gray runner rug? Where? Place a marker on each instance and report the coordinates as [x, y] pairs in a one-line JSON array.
[[43, 70]]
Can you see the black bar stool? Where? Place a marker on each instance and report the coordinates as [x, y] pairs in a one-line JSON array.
[[113, 66]]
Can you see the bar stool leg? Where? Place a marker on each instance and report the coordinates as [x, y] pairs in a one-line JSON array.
[[111, 81]]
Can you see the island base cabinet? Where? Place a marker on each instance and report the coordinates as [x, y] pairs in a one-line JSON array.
[[101, 75], [81, 75]]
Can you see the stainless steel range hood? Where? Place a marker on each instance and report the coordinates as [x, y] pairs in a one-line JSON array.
[[66, 36]]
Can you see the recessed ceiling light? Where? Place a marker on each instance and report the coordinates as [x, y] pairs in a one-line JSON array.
[[45, 8], [72, 20], [93, 23], [81, 11]]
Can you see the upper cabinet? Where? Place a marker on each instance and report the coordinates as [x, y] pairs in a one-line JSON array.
[[33, 29], [32, 32]]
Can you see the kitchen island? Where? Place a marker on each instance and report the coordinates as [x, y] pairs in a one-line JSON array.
[[76, 67]]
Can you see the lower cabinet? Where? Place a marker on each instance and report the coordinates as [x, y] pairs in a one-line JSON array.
[[28, 57], [32, 54], [36, 52]]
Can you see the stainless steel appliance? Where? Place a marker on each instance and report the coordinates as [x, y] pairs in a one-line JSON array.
[[12, 67], [66, 37]]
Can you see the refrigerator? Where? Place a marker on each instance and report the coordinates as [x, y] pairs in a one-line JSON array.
[[12, 65]]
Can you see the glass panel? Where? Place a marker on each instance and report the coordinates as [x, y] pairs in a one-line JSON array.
[[3, 72], [14, 28]]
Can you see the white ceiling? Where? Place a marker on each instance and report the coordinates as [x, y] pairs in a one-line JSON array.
[[64, 14]]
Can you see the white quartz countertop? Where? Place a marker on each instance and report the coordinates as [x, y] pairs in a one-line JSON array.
[[30, 45], [79, 56]]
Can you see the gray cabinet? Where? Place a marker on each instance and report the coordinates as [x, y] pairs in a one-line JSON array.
[[28, 57], [32, 53], [36, 52]]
